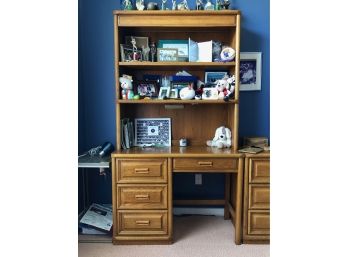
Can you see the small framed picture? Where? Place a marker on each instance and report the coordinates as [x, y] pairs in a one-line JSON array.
[[146, 88], [140, 42], [164, 92], [167, 54], [179, 85], [250, 71], [174, 93], [127, 54], [181, 45], [210, 93], [212, 76]]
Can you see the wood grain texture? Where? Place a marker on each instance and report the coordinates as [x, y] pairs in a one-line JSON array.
[[256, 209], [135, 196], [142, 170], [205, 164]]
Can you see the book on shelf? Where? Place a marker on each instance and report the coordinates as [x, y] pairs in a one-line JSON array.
[[127, 133], [250, 149]]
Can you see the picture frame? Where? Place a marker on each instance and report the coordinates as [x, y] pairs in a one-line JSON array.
[[153, 132], [181, 45], [126, 52], [173, 93], [212, 76], [146, 88], [140, 42], [167, 54], [179, 85], [164, 92], [250, 71], [210, 93]]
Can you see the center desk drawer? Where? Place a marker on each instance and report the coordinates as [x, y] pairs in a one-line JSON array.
[[201, 164], [142, 196], [142, 171]]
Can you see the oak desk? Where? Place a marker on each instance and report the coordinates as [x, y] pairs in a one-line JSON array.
[[142, 197]]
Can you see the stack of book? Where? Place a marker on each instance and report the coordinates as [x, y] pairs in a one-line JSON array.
[[127, 133]]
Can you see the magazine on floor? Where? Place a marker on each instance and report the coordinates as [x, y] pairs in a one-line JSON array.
[[98, 216]]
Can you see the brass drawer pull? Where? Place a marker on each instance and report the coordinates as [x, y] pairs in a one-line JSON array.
[[205, 164], [142, 171], [142, 222], [142, 197]]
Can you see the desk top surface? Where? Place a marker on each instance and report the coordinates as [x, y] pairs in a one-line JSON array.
[[176, 151]]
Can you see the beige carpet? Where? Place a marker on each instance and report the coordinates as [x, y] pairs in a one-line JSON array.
[[194, 236]]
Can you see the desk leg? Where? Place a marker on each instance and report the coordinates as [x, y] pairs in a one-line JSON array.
[[227, 195], [239, 200]]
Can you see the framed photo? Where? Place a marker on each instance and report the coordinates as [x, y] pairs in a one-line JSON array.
[[153, 131], [174, 93], [140, 42], [250, 71], [126, 53], [146, 88], [167, 54], [164, 92], [210, 93], [181, 45], [179, 85], [212, 76]]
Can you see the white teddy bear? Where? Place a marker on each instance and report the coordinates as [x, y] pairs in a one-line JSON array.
[[222, 138]]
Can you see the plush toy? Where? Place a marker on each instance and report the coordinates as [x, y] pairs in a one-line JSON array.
[[222, 138], [127, 87], [225, 86]]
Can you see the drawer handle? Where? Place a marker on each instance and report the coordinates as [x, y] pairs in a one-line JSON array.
[[205, 164], [142, 197], [142, 171], [142, 222]]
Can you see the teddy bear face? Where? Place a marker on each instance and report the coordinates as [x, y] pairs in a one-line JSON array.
[[221, 85], [126, 83]]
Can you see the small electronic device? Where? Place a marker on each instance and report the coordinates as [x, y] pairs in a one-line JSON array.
[[106, 149]]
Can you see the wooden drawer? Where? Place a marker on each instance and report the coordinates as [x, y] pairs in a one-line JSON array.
[[259, 170], [142, 222], [142, 196], [202, 164], [259, 196], [258, 222], [171, 19], [142, 171]]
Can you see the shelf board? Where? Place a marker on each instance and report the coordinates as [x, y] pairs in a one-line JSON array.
[[176, 101], [168, 65]]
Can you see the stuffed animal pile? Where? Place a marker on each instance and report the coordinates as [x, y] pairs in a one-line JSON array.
[[225, 86]]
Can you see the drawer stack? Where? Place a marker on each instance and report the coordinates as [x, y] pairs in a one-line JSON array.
[[142, 200], [256, 218]]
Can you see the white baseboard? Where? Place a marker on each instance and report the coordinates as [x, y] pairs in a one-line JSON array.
[[199, 211]]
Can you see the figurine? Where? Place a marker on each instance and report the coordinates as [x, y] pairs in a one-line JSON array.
[[140, 5], [199, 5], [209, 6], [127, 87], [152, 6], [218, 5], [127, 5], [225, 4], [145, 53], [153, 51], [174, 5], [163, 7], [135, 55], [183, 5], [222, 138]]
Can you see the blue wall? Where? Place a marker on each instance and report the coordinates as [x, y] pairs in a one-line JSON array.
[[97, 94]]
